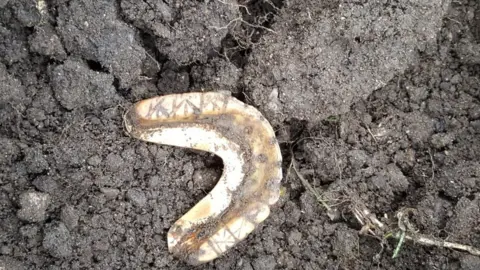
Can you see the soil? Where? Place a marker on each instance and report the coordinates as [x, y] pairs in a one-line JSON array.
[[377, 101]]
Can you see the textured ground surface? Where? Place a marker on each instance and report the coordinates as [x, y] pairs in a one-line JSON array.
[[377, 101]]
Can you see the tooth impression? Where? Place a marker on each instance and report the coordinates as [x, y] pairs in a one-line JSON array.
[[250, 183]]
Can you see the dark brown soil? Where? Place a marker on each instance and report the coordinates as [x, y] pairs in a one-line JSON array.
[[377, 101]]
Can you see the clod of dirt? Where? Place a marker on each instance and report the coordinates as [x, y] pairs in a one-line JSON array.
[[342, 54], [33, 206], [57, 240], [357, 158], [389, 181], [327, 158], [154, 181], [143, 90], [118, 169], [13, 47], [9, 263], [204, 179], [476, 126], [31, 233], [3, 3], [174, 81], [461, 181], [294, 238], [432, 211], [11, 89], [92, 30], [45, 41], [36, 116], [417, 94], [45, 184], [419, 127], [26, 12], [137, 197], [216, 74], [94, 160], [35, 161], [69, 216], [76, 86], [187, 31], [470, 262], [10, 151], [110, 193], [442, 140], [264, 262], [474, 113], [462, 226], [293, 212], [309, 206], [468, 52], [345, 242]]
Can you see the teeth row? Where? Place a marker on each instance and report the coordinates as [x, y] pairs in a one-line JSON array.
[[250, 182], [231, 233]]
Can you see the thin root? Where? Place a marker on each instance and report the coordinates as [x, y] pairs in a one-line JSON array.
[[307, 185], [428, 241], [405, 231]]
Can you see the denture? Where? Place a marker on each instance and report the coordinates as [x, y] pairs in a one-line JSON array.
[[245, 141]]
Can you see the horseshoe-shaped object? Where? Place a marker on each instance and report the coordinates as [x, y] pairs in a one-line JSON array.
[[250, 183]]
